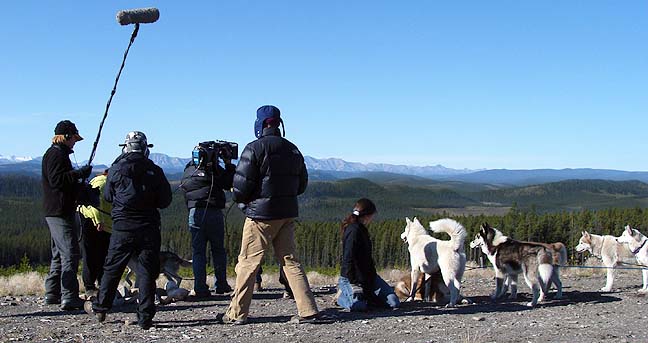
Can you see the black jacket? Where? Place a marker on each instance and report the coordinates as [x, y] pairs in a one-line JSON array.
[[61, 182], [357, 262], [270, 175], [137, 188], [205, 188]]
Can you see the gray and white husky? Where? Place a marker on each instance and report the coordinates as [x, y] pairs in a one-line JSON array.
[[559, 252], [636, 242], [513, 257], [606, 247], [428, 254]]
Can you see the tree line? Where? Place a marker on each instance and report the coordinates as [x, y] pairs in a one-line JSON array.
[[24, 231]]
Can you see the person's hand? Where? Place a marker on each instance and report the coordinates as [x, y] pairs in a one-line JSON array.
[[85, 171], [101, 227]]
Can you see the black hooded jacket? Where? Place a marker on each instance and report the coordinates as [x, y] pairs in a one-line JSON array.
[[60, 182], [203, 188], [136, 187], [270, 175]]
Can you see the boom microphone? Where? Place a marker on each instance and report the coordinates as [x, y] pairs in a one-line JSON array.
[[138, 16]]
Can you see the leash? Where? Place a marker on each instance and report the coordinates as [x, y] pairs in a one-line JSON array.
[[112, 93]]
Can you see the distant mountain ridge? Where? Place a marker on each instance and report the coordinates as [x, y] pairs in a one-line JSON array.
[[339, 165], [336, 169], [14, 159]]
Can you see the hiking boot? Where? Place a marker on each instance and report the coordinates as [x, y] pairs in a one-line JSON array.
[[145, 325], [202, 294], [100, 316], [72, 305], [49, 300], [224, 289], [314, 319], [91, 293], [224, 319]]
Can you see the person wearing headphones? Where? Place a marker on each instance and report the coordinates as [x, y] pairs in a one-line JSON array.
[[203, 183], [61, 186], [137, 188], [271, 173]]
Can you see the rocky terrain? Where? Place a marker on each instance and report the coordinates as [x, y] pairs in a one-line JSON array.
[[584, 315]]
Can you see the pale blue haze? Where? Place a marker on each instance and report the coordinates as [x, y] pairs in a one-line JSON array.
[[465, 84]]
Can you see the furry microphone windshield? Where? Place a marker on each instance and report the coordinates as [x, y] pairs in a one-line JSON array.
[[138, 16]]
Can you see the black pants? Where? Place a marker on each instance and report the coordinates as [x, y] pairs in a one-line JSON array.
[[144, 245], [282, 279], [94, 248]]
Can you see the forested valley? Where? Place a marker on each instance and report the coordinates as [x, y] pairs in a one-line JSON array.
[[24, 232]]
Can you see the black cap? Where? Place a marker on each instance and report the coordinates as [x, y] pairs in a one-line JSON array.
[[66, 127]]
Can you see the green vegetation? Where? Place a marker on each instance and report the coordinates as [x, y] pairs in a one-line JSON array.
[[549, 212]]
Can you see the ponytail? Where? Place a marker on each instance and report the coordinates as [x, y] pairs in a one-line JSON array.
[[363, 207]]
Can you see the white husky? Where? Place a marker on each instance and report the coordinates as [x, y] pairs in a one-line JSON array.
[[636, 241], [608, 250], [428, 254]]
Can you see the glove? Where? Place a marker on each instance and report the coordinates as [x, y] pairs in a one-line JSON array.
[[85, 171]]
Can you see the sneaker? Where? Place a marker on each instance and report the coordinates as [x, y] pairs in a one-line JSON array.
[[101, 316], [314, 319], [258, 287], [224, 289], [72, 305], [224, 319], [52, 300]]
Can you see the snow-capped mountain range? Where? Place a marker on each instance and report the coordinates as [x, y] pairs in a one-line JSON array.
[[14, 159]]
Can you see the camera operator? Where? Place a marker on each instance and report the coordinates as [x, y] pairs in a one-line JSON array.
[[203, 184]]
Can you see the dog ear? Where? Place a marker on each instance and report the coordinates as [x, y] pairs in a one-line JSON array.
[[629, 230], [417, 221], [408, 221], [586, 234]]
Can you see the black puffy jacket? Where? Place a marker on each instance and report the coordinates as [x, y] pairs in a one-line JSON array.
[[270, 175], [137, 188], [60, 182], [205, 188]]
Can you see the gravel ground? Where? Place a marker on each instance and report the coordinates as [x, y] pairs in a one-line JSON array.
[[584, 315]]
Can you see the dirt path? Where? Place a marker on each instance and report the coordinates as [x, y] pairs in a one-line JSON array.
[[584, 315]]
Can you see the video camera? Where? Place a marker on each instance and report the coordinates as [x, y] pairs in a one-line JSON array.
[[206, 154]]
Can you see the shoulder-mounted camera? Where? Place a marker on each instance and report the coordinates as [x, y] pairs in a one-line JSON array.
[[206, 154]]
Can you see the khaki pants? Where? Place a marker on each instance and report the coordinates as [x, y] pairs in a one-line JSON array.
[[257, 237]]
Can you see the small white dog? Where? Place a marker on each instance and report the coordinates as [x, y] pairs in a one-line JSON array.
[[428, 254], [608, 250], [636, 241]]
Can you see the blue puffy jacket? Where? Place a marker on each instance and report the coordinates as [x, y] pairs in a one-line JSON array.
[[137, 188], [269, 176]]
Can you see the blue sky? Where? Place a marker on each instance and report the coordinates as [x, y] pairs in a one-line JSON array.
[[471, 84]]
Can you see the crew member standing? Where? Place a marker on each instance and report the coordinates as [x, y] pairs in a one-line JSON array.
[[61, 185], [270, 175], [203, 183], [97, 226], [137, 188]]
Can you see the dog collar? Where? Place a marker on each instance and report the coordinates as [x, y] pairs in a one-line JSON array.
[[636, 251]]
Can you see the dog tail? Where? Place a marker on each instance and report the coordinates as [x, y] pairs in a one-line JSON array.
[[456, 231], [560, 254]]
